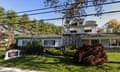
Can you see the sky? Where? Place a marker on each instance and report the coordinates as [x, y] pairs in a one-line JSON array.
[[23, 5]]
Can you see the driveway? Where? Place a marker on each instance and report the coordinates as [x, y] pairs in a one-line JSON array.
[[5, 69]]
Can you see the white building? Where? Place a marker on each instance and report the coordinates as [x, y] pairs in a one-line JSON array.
[[76, 34], [47, 40], [89, 27], [61, 40]]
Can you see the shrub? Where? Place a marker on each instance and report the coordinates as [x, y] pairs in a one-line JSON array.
[[32, 49], [54, 51], [91, 55], [72, 47], [70, 52]]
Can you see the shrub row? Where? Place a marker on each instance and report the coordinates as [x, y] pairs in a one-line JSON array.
[[32, 49], [54, 51], [70, 52]]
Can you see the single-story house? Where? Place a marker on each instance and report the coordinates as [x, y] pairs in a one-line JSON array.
[[76, 34], [107, 40], [47, 40]]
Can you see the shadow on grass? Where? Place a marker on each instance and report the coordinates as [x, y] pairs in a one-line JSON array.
[[45, 62], [119, 68], [115, 62], [61, 59], [50, 62]]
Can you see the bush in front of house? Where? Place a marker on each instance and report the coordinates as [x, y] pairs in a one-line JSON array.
[[91, 55], [70, 52], [32, 48], [54, 51], [72, 47]]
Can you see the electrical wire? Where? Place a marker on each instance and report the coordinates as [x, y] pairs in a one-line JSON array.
[[45, 8], [78, 7], [65, 9], [92, 14]]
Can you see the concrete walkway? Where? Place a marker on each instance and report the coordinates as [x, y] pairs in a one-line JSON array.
[[6, 69]]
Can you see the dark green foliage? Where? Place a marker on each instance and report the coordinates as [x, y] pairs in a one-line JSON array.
[[54, 51], [32, 48]]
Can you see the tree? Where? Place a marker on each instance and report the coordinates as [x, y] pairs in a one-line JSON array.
[[33, 27], [72, 9], [2, 14], [12, 23], [24, 23], [113, 24]]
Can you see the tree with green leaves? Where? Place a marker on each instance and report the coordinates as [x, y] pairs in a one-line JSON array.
[[24, 23], [73, 9], [12, 22], [33, 27], [2, 14], [113, 24]]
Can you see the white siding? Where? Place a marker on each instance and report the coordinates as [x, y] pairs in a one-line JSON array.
[[93, 30], [80, 31], [58, 42]]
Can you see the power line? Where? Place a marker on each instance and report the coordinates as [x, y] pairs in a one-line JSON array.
[[92, 14], [49, 7], [65, 9], [44, 8], [69, 9], [109, 12]]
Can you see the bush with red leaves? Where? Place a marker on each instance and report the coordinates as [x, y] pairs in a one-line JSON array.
[[90, 55]]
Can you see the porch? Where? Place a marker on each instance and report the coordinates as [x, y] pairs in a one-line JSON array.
[[107, 42]]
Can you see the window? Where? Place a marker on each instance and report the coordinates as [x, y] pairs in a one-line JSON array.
[[74, 24], [114, 42], [88, 30], [23, 42], [95, 41], [49, 42], [73, 31]]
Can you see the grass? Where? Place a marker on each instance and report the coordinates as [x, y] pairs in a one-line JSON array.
[[52, 63]]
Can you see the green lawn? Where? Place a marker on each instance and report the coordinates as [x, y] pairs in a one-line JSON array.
[[52, 63]]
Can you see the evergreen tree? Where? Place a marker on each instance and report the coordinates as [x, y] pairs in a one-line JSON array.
[[12, 23], [24, 23]]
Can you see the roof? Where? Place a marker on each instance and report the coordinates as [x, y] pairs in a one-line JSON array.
[[82, 36], [2, 27], [90, 23], [102, 36], [87, 24], [96, 36], [41, 36]]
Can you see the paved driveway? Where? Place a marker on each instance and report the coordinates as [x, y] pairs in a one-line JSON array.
[[5, 69]]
